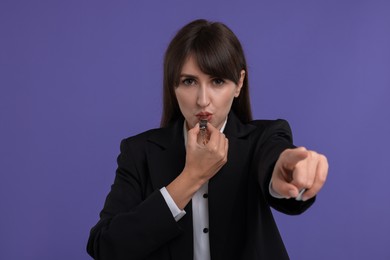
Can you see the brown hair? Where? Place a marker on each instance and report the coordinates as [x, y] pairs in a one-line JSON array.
[[218, 53]]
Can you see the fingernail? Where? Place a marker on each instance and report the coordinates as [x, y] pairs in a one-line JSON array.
[[304, 198], [293, 193]]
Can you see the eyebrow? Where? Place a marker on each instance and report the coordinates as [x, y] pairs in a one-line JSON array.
[[187, 76]]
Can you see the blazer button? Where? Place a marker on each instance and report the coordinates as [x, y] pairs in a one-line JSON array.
[[205, 195], [205, 230]]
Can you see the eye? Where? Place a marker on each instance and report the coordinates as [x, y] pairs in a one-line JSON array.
[[188, 82], [218, 82]]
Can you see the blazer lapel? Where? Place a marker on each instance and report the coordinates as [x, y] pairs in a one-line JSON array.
[[166, 154], [166, 160]]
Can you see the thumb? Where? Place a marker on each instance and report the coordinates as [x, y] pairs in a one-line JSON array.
[[284, 189]]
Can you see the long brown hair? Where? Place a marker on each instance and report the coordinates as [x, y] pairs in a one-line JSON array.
[[218, 53]]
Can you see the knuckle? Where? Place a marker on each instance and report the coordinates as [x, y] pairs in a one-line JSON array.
[[221, 154], [324, 159], [311, 156], [299, 182], [213, 149], [322, 179], [300, 166], [308, 184], [286, 151]]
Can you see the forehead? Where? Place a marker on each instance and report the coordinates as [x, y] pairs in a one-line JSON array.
[[201, 64], [190, 66]]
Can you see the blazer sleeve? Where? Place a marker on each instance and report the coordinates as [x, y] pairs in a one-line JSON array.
[[276, 138], [128, 226]]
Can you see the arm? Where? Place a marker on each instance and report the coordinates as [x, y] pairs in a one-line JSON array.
[[128, 227], [272, 157], [203, 161]]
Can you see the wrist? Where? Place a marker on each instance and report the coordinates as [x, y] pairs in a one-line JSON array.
[[192, 179], [184, 187]]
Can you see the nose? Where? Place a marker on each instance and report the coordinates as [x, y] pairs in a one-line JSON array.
[[203, 99]]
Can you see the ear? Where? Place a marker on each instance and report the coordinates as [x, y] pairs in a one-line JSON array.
[[240, 83]]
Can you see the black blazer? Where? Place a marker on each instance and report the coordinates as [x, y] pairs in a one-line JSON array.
[[136, 222]]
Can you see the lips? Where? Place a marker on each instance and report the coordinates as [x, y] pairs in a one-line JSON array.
[[204, 116]]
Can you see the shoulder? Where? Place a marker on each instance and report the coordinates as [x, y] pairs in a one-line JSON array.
[[158, 137], [141, 137], [265, 123], [140, 140], [135, 149], [273, 128]]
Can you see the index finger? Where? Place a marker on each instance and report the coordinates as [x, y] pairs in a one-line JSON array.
[[214, 133], [291, 157]]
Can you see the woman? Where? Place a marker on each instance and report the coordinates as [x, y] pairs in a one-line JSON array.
[[182, 192]]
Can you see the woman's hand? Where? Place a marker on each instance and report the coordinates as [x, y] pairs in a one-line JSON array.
[[203, 161], [205, 158], [299, 169]]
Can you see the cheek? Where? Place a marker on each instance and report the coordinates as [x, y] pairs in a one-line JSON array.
[[179, 96], [226, 99], [183, 99]]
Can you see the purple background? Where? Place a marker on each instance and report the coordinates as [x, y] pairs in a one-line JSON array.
[[78, 76]]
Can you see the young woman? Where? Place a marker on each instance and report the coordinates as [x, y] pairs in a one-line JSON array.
[[182, 192]]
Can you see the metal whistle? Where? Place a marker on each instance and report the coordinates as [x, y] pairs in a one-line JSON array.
[[203, 131]]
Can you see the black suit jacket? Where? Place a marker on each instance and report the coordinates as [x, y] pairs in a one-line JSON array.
[[136, 222]]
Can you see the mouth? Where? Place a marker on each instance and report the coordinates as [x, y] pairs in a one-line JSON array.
[[204, 116]]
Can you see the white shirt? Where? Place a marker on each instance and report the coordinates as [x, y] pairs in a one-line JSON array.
[[200, 212]]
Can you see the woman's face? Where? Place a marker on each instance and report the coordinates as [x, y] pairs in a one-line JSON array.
[[202, 96]]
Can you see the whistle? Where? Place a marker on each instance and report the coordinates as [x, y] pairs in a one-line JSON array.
[[203, 124], [203, 131]]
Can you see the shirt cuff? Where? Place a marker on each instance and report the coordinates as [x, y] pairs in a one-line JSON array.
[[274, 193], [176, 212]]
